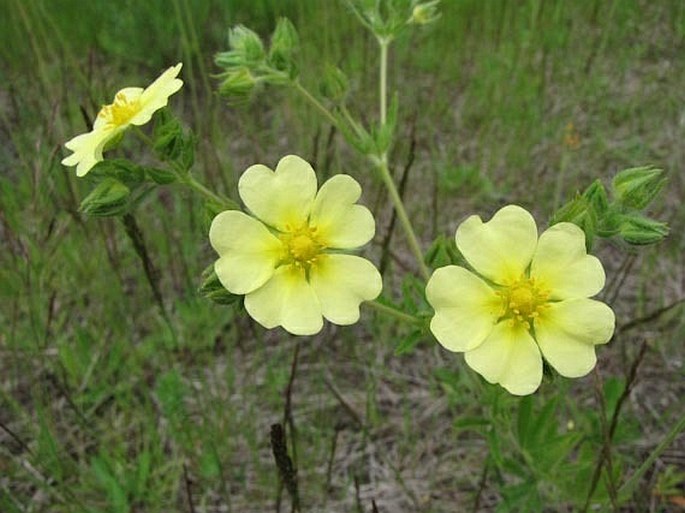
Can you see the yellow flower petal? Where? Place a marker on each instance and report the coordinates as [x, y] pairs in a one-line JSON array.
[[282, 199], [502, 248], [342, 282], [248, 252], [568, 331], [339, 222], [510, 357], [466, 308], [562, 265], [87, 149], [156, 95], [287, 300]]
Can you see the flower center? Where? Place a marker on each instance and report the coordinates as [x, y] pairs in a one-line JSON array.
[[301, 245], [120, 111], [524, 300]]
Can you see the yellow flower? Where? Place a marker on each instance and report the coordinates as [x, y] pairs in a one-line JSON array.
[[287, 259], [131, 106], [530, 296]]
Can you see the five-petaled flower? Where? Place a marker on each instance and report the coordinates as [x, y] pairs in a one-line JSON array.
[[131, 106], [286, 259], [530, 296]]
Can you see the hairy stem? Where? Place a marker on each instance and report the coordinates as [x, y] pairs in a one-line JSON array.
[[383, 82], [316, 103], [403, 217], [394, 312]]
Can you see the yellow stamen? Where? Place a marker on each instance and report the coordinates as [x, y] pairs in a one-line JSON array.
[[523, 301], [120, 111], [301, 246]]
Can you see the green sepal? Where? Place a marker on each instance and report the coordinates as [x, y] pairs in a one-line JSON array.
[[212, 289], [108, 198]]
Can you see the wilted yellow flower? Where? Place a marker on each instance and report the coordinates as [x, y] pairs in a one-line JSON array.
[[530, 296], [131, 106], [287, 259]]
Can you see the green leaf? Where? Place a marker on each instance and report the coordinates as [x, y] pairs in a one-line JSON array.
[[108, 198], [212, 289], [408, 343]]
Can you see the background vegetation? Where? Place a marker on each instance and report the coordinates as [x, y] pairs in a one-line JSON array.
[[104, 408]]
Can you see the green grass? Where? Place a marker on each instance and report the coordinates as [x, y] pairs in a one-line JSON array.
[[106, 408]]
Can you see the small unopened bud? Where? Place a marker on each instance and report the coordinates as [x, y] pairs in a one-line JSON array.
[[640, 230], [284, 45], [637, 187], [335, 84], [424, 13], [238, 84], [109, 198]]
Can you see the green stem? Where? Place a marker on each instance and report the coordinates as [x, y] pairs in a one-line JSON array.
[[383, 82], [316, 103], [628, 486], [403, 217], [197, 186], [394, 312], [185, 178]]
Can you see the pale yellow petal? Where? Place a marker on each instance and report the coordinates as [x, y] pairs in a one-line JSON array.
[[87, 149], [502, 248], [156, 95], [339, 222], [286, 300], [562, 265], [466, 308], [568, 331], [509, 357], [282, 199], [342, 282], [248, 252]]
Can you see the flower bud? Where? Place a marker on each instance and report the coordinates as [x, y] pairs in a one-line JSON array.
[[109, 198], [425, 13], [637, 187], [335, 84], [641, 231]]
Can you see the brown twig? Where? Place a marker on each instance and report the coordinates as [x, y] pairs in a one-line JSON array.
[[481, 485], [652, 316], [286, 471], [630, 381], [189, 494], [288, 419]]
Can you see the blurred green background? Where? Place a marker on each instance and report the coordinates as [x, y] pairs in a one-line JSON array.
[[102, 409]]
